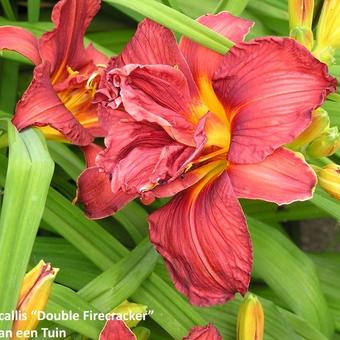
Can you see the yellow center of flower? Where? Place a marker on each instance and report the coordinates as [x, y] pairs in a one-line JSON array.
[[213, 161], [77, 98]]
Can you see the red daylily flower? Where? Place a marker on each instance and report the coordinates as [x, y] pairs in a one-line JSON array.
[[59, 98], [208, 332], [208, 129]]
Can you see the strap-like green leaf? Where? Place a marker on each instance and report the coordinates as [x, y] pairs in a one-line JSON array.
[[29, 174], [290, 274], [178, 22]]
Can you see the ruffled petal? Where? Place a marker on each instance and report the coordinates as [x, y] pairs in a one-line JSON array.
[[203, 62], [269, 87], [202, 235], [19, 40], [140, 155], [96, 56], [154, 44], [94, 188], [91, 152], [94, 192], [208, 332], [63, 46], [116, 330], [283, 177], [40, 106], [157, 94]]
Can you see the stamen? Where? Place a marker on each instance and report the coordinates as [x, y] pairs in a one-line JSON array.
[[71, 72]]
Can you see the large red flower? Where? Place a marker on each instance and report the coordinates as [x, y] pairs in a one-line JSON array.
[[60, 96], [207, 129]]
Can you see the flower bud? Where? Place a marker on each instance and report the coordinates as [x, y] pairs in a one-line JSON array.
[[320, 122], [141, 333], [325, 145], [127, 308], [300, 21], [34, 294], [329, 179], [250, 319], [303, 35], [327, 33]]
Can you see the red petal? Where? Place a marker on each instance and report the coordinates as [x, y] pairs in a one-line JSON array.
[[64, 45], [40, 106], [154, 44], [157, 94], [139, 155], [19, 40], [90, 153], [94, 192], [96, 56], [203, 237], [269, 87], [283, 177], [203, 61], [208, 332], [116, 330]]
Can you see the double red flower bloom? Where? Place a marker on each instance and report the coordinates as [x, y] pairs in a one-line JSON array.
[[208, 129], [60, 96], [181, 121]]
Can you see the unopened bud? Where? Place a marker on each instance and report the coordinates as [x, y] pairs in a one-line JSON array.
[[300, 21], [325, 145], [320, 122], [250, 319], [329, 179], [327, 32], [303, 35], [141, 333], [34, 294], [127, 308]]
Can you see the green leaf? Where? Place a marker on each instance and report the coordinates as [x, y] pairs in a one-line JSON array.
[[65, 299], [232, 6], [76, 270], [9, 71], [178, 22], [119, 282], [323, 201], [33, 7], [8, 9], [90, 238], [29, 173], [327, 266], [290, 274]]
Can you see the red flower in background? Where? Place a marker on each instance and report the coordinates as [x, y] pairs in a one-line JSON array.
[[60, 96], [207, 129]]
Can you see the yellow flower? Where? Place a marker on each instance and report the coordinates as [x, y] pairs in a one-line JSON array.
[[34, 294], [250, 319]]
